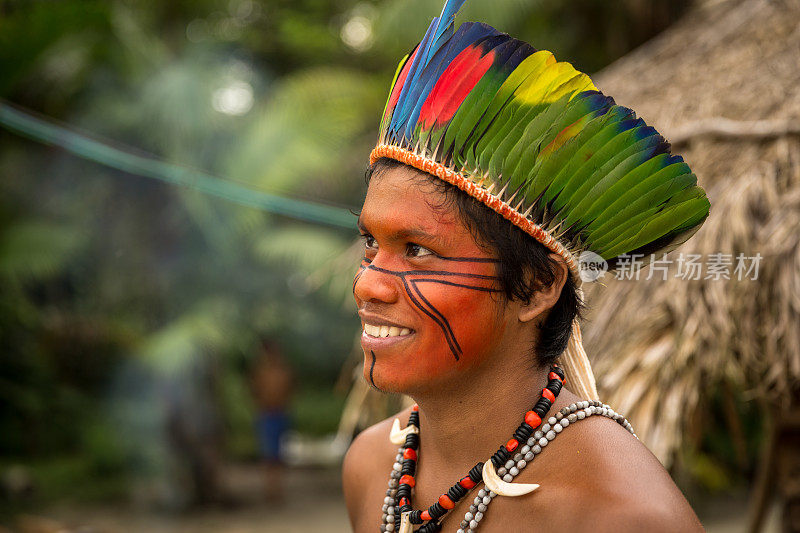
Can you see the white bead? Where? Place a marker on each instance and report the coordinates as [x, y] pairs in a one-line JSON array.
[[514, 471], [564, 423], [502, 471], [552, 420], [509, 464], [551, 435], [473, 524], [529, 456], [390, 519], [387, 500], [482, 507], [543, 442], [478, 499], [482, 493], [397, 467], [479, 517], [525, 449], [581, 415], [522, 464], [508, 478], [517, 457], [557, 428], [389, 527], [538, 434], [486, 500], [469, 516], [545, 428], [536, 449]]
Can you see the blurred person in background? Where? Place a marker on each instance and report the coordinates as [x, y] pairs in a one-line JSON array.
[[195, 433], [272, 383]]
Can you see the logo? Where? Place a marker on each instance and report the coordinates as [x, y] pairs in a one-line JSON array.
[[591, 266]]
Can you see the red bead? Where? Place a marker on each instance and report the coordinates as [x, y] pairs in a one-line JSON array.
[[425, 515], [467, 482], [512, 445], [549, 395], [532, 419], [403, 502], [553, 375], [408, 480], [410, 454], [415, 408], [446, 502]]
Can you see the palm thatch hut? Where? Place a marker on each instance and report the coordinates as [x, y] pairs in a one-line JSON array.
[[724, 86]]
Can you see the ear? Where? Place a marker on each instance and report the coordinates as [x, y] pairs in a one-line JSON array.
[[546, 297]]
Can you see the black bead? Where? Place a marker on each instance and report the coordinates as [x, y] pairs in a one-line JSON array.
[[500, 457], [558, 371], [406, 508], [415, 517], [412, 441], [456, 492], [414, 418], [430, 527], [436, 511], [476, 473], [523, 432]]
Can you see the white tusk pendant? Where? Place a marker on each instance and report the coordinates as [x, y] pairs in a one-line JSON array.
[[495, 484], [398, 436], [405, 523]]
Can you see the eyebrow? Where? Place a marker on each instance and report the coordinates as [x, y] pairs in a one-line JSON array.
[[406, 234]]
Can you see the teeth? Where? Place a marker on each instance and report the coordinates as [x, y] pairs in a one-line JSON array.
[[385, 331]]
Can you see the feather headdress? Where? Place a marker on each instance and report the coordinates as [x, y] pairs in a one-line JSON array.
[[534, 140]]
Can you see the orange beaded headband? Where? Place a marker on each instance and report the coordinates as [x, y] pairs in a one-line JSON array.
[[481, 194]]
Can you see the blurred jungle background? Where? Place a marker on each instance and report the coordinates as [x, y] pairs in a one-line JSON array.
[[176, 251]]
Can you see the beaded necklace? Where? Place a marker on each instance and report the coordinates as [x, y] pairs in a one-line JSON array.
[[497, 474]]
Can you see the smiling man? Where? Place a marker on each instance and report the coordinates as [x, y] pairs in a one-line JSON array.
[[496, 167]]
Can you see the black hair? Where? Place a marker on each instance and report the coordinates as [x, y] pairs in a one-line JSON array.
[[524, 263]]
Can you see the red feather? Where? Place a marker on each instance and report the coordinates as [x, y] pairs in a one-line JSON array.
[[398, 86], [454, 85]]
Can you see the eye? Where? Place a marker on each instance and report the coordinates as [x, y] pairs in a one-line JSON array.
[[369, 241], [415, 250]]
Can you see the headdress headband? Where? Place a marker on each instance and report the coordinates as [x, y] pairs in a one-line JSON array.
[[534, 140]]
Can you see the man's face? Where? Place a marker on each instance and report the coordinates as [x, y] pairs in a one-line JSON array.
[[427, 294]]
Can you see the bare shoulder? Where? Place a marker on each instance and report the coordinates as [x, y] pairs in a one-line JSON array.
[[601, 479], [365, 471], [621, 485]]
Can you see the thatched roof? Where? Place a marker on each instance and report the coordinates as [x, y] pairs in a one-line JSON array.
[[725, 84]]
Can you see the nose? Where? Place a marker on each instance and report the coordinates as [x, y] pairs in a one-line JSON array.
[[372, 285]]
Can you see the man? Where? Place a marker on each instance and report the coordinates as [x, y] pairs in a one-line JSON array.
[[495, 169]]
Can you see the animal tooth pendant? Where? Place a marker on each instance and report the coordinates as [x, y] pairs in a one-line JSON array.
[[495, 484], [398, 436], [405, 523]]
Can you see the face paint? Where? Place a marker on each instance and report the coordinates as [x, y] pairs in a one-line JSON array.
[[424, 282]]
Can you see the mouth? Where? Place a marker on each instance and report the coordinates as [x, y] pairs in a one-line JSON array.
[[376, 331]]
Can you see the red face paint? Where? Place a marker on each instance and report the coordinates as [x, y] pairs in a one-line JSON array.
[[423, 275]]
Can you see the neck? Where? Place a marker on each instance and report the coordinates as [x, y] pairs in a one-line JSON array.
[[468, 422]]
